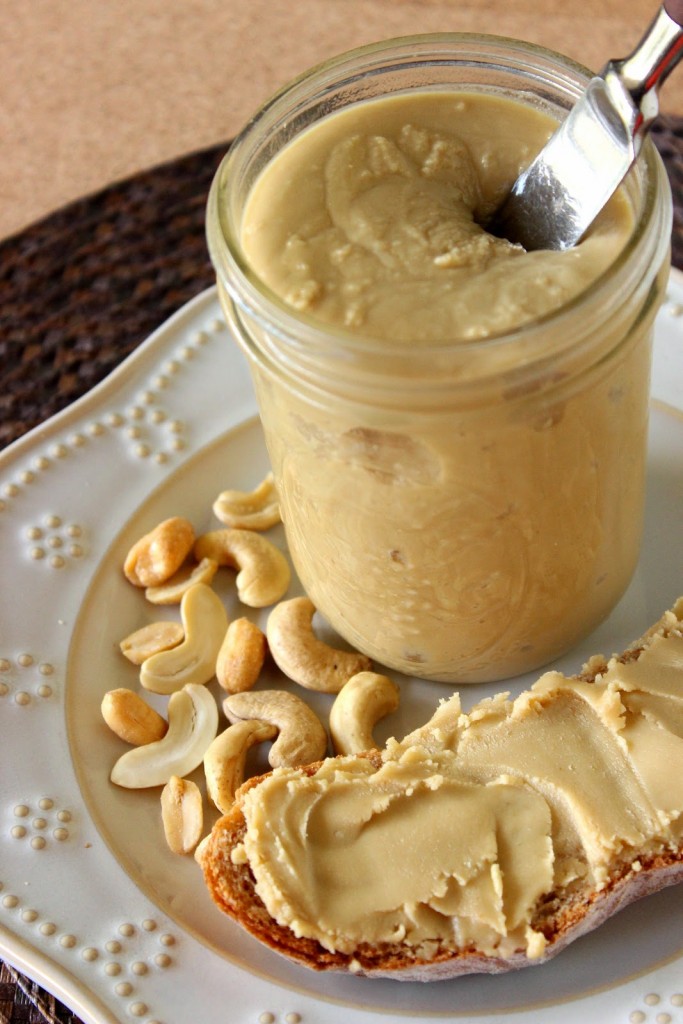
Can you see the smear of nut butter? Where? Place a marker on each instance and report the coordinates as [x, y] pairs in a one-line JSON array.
[[472, 818]]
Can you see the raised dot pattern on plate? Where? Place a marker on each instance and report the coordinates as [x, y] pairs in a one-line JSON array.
[[26, 679], [658, 1009], [135, 953], [55, 542], [40, 824], [291, 1017], [147, 427]]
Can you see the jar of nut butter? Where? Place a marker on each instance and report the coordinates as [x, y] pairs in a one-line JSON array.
[[457, 427]]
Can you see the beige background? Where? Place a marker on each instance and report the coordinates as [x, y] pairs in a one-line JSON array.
[[92, 91]]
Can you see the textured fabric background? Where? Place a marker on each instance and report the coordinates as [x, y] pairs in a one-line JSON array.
[[94, 92]]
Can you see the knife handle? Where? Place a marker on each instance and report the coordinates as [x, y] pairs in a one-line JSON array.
[[640, 75]]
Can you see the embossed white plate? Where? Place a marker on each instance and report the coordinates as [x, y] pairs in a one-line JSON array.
[[92, 904]]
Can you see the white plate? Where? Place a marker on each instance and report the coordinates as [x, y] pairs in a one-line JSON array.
[[92, 904]]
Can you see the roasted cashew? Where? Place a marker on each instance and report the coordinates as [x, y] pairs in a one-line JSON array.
[[151, 639], [160, 553], [205, 623], [263, 575], [359, 705], [182, 814], [175, 589], [192, 725], [224, 760], [249, 510], [302, 738], [241, 656], [131, 717], [301, 656]]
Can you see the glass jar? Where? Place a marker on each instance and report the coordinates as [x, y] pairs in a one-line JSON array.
[[465, 512]]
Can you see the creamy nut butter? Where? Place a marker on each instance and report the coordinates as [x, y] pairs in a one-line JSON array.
[[473, 818], [371, 221], [457, 428]]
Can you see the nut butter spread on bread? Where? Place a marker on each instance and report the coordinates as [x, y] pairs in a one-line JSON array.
[[479, 843]]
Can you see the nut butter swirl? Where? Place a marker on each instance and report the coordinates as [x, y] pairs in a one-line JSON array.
[[371, 221]]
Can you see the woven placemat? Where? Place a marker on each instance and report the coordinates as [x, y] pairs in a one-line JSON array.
[[81, 289], [84, 287]]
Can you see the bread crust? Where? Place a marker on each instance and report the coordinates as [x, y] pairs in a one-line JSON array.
[[561, 918]]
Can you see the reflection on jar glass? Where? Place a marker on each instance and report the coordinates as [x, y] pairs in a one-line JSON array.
[[458, 432]]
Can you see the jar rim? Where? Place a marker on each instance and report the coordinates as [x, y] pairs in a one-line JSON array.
[[251, 292]]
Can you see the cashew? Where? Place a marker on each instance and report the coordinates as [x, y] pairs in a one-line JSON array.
[[131, 717], [241, 656], [182, 814], [367, 697], [301, 656], [224, 760], [157, 636], [249, 510], [194, 660], [176, 588], [302, 737], [157, 555], [263, 575], [192, 725]]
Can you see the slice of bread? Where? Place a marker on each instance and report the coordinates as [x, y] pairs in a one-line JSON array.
[[559, 917]]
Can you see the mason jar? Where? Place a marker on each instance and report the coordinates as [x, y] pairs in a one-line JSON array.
[[466, 511]]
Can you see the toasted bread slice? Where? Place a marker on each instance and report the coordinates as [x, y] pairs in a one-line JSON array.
[[559, 916]]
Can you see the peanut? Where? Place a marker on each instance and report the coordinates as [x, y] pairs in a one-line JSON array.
[[160, 553], [155, 637], [182, 814], [241, 656], [132, 718]]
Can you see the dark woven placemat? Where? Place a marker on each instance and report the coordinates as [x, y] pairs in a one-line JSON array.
[[84, 287]]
